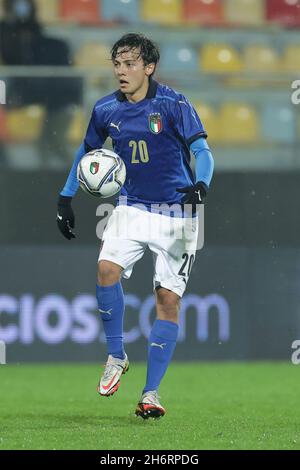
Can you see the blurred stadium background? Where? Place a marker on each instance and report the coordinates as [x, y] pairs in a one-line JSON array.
[[236, 60]]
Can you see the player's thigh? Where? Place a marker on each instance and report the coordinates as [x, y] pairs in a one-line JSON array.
[[172, 270], [124, 253], [174, 257]]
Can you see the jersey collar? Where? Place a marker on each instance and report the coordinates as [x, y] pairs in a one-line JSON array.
[[150, 93]]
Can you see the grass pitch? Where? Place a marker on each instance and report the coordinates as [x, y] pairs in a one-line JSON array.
[[209, 406]]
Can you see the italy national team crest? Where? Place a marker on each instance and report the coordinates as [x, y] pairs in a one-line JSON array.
[[94, 167], [155, 123]]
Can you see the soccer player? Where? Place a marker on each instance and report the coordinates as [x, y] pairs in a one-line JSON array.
[[153, 128]]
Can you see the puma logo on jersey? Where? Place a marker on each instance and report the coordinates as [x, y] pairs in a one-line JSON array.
[[105, 311], [117, 126], [161, 346]]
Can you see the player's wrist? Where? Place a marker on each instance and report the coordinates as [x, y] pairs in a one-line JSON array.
[[64, 200]]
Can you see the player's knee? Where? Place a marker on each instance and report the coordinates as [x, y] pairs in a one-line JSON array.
[[108, 273], [168, 304], [167, 297]]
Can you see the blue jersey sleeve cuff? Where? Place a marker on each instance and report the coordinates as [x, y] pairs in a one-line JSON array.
[[194, 138]]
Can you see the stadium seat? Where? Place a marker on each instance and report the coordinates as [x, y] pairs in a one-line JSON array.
[[286, 12], [1, 9], [244, 12], [278, 123], [291, 59], [209, 120], [93, 54], [119, 10], [25, 124], [80, 11], [167, 12], [203, 12], [238, 123], [77, 127], [178, 57], [4, 134], [261, 58], [48, 11], [220, 58]]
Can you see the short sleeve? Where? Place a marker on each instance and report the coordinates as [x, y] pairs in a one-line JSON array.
[[96, 133], [187, 122]]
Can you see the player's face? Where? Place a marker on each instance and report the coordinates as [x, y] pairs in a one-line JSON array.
[[132, 74]]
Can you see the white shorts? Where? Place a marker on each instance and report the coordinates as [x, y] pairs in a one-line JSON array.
[[172, 241]]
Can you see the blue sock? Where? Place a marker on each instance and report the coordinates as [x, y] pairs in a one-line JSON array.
[[161, 345], [111, 308]]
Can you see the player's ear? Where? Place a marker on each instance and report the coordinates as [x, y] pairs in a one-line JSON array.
[[149, 69]]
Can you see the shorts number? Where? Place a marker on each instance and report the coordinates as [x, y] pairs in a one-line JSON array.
[[143, 151], [188, 260]]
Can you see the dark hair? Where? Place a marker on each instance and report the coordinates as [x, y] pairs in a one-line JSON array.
[[9, 7], [148, 49]]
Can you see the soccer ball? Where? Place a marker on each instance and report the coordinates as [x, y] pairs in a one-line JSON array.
[[101, 173]]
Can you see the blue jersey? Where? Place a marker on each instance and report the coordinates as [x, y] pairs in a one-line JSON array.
[[153, 137]]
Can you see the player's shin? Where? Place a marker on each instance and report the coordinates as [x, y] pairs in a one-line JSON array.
[[111, 308], [161, 346]]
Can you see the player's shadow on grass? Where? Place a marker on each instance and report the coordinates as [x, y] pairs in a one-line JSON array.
[[66, 420], [46, 421]]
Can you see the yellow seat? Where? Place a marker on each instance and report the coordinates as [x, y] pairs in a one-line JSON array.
[[77, 127], [48, 11], [291, 59], [25, 124], [1, 9], [4, 135], [261, 58], [238, 123], [93, 54], [220, 58], [162, 11], [244, 12], [209, 120]]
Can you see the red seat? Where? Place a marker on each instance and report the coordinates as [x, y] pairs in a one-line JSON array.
[[203, 12], [80, 11], [286, 12]]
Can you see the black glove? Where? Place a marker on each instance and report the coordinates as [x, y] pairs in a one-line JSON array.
[[65, 217], [194, 194]]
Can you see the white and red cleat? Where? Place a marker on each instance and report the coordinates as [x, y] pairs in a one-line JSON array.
[[110, 380], [149, 406]]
